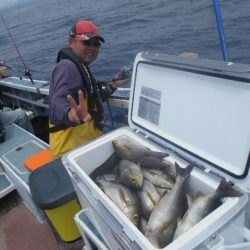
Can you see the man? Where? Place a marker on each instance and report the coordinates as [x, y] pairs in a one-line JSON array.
[[8, 115], [75, 99], [17, 116]]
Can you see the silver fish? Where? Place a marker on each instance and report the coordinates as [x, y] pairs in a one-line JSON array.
[[158, 178], [130, 150], [161, 191], [123, 198], [130, 174], [108, 177], [143, 225], [163, 219], [202, 205], [155, 163], [149, 198]]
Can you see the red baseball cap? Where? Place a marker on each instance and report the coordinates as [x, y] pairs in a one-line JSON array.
[[84, 30]]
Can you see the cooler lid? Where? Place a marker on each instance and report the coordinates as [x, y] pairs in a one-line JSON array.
[[197, 108]]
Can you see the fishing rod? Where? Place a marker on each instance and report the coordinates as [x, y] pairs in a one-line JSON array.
[[27, 71], [220, 29]]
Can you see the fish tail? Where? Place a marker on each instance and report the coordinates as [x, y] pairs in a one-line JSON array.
[[226, 190], [185, 172]]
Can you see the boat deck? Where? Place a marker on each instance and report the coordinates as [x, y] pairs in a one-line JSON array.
[[20, 230]]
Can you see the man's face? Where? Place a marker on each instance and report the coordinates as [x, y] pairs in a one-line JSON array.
[[87, 50]]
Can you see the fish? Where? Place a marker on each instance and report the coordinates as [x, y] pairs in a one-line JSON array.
[[125, 199], [154, 163], [161, 191], [149, 197], [202, 205], [158, 178], [111, 177], [184, 203], [130, 150], [107, 166], [143, 225], [130, 174], [162, 222]]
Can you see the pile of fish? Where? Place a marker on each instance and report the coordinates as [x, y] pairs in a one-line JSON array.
[[151, 192]]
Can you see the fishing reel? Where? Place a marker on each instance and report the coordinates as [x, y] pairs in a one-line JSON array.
[[27, 73], [124, 73]]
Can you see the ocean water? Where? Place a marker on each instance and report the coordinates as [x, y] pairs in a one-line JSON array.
[[40, 29]]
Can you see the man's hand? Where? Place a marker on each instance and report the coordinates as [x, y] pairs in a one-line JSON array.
[[119, 83], [78, 113]]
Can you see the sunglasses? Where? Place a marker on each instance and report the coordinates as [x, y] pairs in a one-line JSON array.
[[94, 43]]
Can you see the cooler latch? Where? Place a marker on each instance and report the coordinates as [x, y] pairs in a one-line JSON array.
[[142, 134]]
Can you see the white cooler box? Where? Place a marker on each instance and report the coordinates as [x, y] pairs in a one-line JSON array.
[[198, 112]]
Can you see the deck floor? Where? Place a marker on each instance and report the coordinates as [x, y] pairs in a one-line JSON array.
[[20, 230]]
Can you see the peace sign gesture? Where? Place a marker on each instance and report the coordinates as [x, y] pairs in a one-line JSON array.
[[78, 113]]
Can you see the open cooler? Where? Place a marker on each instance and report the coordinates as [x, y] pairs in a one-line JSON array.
[[198, 112]]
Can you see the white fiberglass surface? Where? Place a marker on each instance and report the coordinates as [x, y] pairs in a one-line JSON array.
[[206, 115]]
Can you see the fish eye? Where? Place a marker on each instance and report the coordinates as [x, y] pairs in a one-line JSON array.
[[134, 182], [135, 217]]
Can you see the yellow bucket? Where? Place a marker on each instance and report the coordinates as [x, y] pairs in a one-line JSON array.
[[62, 219]]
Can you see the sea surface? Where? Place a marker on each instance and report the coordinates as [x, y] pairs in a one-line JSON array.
[[40, 28]]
